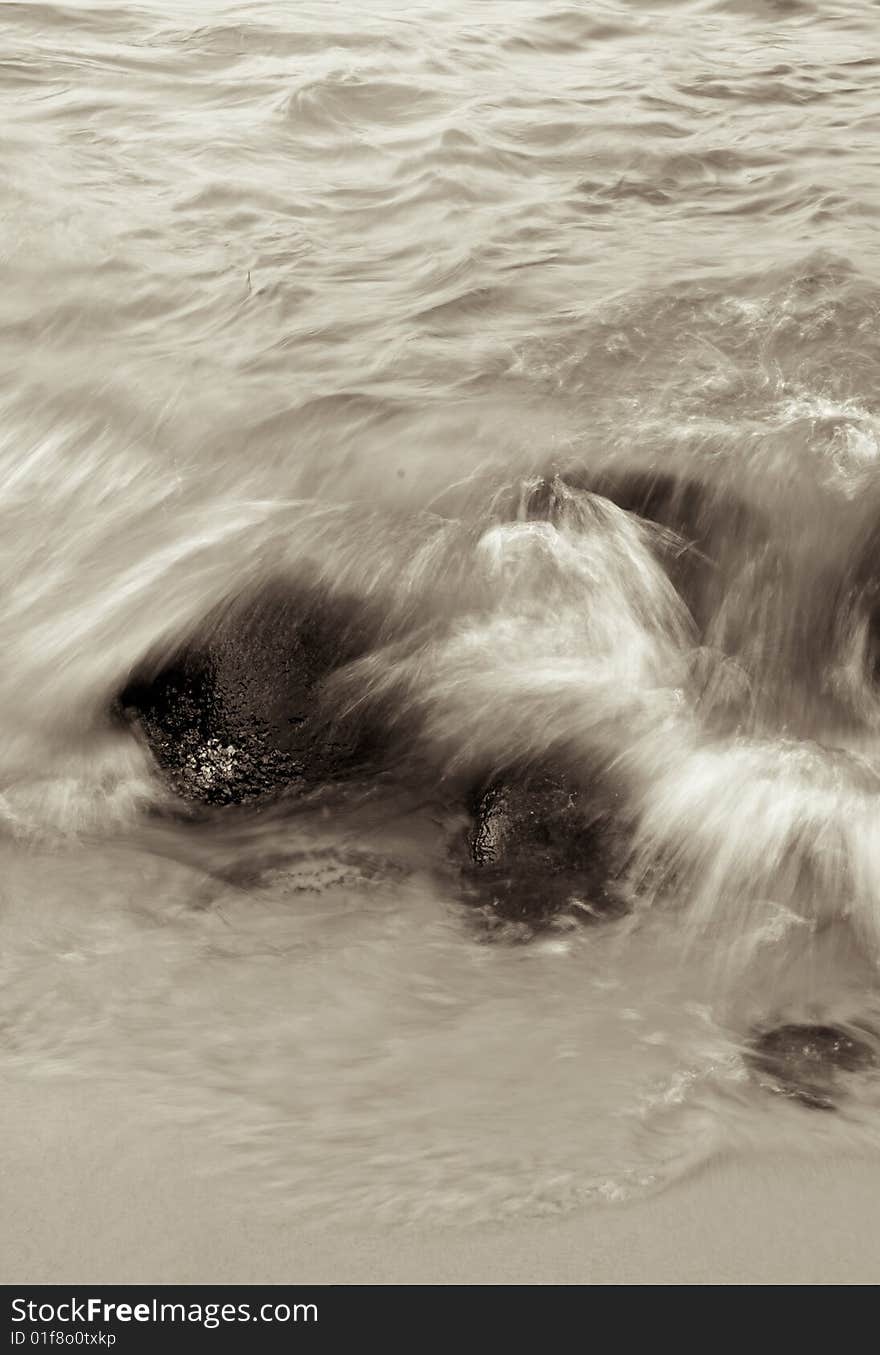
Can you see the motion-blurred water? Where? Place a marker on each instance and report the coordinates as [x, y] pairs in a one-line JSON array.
[[319, 290]]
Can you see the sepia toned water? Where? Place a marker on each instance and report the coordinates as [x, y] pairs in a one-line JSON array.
[[320, 290]]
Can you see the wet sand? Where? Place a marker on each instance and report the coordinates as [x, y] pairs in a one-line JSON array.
[[87, 1199]]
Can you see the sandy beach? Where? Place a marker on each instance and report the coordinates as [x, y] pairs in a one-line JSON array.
[[79, 1210]]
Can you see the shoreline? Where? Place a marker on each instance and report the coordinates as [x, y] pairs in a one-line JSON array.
[[88, 1199]]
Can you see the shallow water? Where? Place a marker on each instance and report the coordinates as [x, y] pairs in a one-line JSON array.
[[315, 293]]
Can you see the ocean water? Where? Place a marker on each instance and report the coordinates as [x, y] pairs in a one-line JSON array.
[[321, 292]]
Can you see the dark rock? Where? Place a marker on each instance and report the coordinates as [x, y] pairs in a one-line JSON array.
[[857, 604], [698, 512], [237, 714], [804, 1061], [711, 531], [540, 849]]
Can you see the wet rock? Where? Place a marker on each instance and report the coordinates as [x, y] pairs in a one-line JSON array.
[[712, 532], [698, 512], [804, 1061], [540, 849], [857, 604], [237, 716]]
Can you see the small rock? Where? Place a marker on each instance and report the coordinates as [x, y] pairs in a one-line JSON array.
[[804, 1061], [540, 850]]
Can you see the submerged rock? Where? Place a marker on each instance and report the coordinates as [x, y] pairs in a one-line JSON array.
[[540, 849], [804, 1061], [711, 533], [237, 716]]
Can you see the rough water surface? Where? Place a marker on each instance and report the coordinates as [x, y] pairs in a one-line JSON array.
[[399, 308]]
